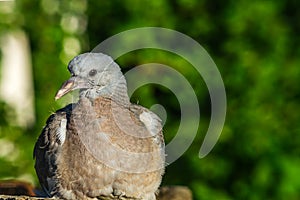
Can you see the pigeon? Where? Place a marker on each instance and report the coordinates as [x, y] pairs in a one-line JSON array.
[[103, 145]]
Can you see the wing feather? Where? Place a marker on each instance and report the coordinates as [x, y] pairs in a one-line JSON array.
[[45, 150]]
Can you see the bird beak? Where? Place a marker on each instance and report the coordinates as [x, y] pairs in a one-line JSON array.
[[71, 84]]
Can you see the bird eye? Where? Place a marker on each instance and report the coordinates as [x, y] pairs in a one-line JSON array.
[[93, 72]]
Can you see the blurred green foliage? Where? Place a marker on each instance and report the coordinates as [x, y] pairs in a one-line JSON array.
[[255, 45]]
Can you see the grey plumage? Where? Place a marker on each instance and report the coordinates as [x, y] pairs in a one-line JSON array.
[[102, 145]]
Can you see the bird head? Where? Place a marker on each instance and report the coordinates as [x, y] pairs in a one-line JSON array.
[[95, 74]]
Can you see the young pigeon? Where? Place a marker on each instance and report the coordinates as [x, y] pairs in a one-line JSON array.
[[103, 145]]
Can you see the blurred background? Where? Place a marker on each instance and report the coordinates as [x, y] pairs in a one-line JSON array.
[[255, 45]]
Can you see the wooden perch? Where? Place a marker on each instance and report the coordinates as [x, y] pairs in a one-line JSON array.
[[19, 190], [9, 197]]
